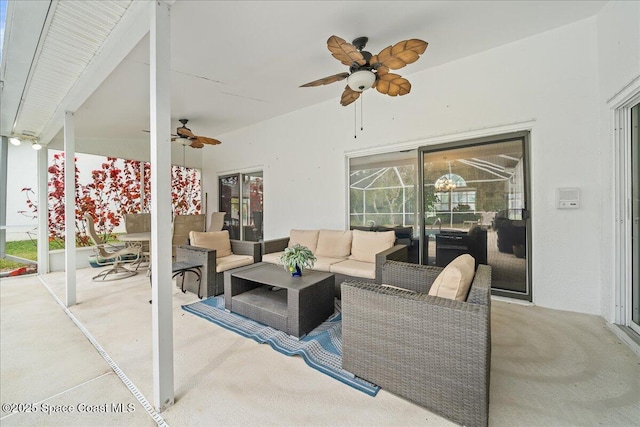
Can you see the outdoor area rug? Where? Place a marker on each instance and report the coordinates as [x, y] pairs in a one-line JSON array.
[[321, 348]]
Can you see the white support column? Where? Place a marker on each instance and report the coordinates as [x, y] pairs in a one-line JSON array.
[[4, 153], [43, 210], [70, 208], [162, 294]]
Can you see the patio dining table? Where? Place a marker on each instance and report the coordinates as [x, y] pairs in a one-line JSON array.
[[143, 238], [135, 237]]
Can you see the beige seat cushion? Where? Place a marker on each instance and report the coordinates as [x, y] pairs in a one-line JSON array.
[[454, 281], [324, 263], [218, 240], [308, 238], [334, 243], [355, 268], [367, 244], [232, 261], [273, 257]]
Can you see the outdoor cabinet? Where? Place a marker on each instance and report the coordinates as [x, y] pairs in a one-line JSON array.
[[452, 244]]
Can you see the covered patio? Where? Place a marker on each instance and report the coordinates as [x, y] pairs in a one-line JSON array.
[[547, 367], [556, 362]]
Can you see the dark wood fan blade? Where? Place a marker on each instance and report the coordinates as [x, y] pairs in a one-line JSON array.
[[196, 144], [348, 96], [207, 140], [400, 54], [327, 80], [392, 85], [182, 131], [345, 52]]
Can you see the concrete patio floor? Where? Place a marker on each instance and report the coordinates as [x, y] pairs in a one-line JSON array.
[[549, 367]]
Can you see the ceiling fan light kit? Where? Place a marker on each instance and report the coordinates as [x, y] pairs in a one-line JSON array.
[[183, 141], [361, 80]]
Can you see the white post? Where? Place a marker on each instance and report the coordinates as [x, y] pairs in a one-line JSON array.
[[4, 153], [43, 210], [162, 295], [70, 208]]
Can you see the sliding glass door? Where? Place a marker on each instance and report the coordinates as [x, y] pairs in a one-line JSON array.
[[474, 196], [241, 198]]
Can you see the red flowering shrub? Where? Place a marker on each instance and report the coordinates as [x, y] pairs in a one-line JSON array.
[[112, 193]]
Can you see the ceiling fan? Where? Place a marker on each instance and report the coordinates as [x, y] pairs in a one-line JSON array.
[[185, 137], [185, 134], [366, 70]]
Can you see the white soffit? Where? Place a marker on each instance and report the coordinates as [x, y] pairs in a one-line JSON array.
[[76, 32]]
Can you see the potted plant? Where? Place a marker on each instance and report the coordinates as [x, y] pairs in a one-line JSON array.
[[297, 258]]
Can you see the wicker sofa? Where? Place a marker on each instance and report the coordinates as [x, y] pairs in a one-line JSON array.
[[216, 253], [351, 254], [433, 351]]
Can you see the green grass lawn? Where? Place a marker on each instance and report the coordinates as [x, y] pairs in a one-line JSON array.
[[28, 249]]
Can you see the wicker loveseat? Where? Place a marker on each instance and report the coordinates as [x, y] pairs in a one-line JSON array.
[[350, 254], [433, 351]]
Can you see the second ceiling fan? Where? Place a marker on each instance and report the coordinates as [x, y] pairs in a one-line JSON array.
[[194, 141], [366, 70]]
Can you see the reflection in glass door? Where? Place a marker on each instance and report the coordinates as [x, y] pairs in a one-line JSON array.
[[635, 216], [474, 195], [241, 197]]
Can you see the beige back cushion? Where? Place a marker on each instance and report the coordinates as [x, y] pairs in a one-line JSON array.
[[218, 240], [454, 281], [334, 243], [183, 224], [366, 244], [308, 238], [137, 223]]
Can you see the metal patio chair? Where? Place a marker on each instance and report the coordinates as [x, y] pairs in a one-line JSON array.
[[114, 259]]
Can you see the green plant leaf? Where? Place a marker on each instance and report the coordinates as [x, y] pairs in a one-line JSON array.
[[297, 256]]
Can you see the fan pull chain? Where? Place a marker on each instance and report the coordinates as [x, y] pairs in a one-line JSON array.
[[361, 110], [355, 119]]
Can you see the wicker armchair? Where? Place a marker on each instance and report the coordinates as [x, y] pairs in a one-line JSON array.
[[432, 351], [213, 267]]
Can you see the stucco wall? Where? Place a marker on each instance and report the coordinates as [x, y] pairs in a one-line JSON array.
[[547, 83]]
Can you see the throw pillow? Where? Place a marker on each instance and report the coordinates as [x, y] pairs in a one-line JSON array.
[[218, 240], [307, 238], [367, 244], [334, 243], [455, 279]]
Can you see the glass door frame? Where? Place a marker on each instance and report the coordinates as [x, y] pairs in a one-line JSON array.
[[243, 216], [621, 104], [525, 136]]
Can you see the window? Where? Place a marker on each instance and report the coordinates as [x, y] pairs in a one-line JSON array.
[[382, 190]]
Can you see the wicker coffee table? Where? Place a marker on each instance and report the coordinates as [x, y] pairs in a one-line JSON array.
[[301, 303]]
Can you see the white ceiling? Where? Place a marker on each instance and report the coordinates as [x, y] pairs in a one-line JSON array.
[[236, 63]]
